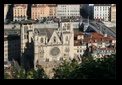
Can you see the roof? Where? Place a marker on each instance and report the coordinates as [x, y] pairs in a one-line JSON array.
[[52, 5], [22, 5], [77, 43], [44, 31], [96, 37], [68, 4], [78, 33], [102, 4], [12, 38], [39, 5], [27, 22], [65, 20]]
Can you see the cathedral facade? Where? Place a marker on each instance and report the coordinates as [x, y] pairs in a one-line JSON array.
[[40, 45]]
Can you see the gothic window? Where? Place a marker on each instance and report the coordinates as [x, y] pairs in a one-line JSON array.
[[66, 49], [61, 59], [77, 51], [37, 63], [54, 39], [25, 36], [68, 27], [66, 38], [64, 25], [41, 40], [25, 29]]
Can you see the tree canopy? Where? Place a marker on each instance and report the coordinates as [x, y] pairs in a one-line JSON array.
[[30, 74], [104, 68]]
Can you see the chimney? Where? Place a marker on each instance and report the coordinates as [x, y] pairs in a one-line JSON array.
[[102, 39], [95, 40]]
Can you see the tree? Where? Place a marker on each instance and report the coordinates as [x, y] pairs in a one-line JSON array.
[[104, 68], [6, 76], [40, 73], [44, 19], [64, 70], [30, 74]]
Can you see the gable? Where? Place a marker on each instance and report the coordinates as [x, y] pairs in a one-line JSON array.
[[54, 39]]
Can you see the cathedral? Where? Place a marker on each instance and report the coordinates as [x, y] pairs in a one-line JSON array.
[[41, 45]]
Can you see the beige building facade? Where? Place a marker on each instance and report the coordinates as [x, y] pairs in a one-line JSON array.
[[47, 45], [5, 11], [52, 10], [11, 47], [38, 11], [113, 12], [20, 12]]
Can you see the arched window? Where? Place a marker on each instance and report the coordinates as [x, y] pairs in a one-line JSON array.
[[25, 29], [41, 40], [68, 27], [54, 39], [66, 38], [64, 25]]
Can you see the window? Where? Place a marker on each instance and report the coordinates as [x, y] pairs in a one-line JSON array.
[[25, 29], [66, 38], [25, 36], [41, 40], [77, 51], [68, 26], [80, 50], [54, 39]]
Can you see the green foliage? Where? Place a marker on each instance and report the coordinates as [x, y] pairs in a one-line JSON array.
[[103, 68], [31, 74], [44, 19], [6, 76], [64, 70]]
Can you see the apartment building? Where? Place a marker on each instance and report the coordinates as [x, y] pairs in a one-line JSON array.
[[19, 12], [52, 10], [5, 11], [113, 12], [68, 10], [11, 47], [39, 11], [93, 43], [102, 12]]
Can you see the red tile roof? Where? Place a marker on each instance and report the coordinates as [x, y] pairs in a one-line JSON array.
[[102, 4], [109, 48], [78, 33], [96, 37], [22, 5], [52, 5], [77, 43]]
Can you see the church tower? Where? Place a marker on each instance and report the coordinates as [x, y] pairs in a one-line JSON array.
[[36, 51], [26, 30]]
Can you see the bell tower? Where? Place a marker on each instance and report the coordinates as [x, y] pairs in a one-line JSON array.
[[26, 30]]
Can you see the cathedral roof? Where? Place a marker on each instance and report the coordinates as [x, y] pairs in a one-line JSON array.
[[45, 31]]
